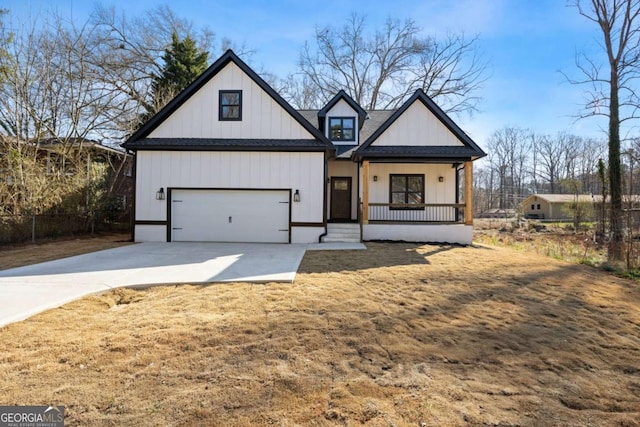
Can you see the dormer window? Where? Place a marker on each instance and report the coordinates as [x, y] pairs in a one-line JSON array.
[[342, 129]]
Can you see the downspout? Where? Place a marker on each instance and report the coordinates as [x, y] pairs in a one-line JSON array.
[[132, 212], [324, 204]]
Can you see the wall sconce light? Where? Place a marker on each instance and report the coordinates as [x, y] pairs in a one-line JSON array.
[[375, 177], [160, 194], [440, 179], [296, 196]]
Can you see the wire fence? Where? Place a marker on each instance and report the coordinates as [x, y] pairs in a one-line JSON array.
[[33, 227]]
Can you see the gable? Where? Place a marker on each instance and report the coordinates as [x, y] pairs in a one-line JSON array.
[[341, 108], [262, 116], [417, 126]]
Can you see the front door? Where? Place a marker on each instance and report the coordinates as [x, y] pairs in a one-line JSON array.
[[341, 198]]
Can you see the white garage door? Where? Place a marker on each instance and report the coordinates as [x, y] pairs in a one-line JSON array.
[[230, 216]]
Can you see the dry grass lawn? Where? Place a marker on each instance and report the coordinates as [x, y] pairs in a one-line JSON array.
[[26, 253], [399, 335]]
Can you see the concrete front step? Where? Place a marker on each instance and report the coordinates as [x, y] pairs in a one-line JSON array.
[[329, 239], [340, 226], [342, 232], [344, 235]]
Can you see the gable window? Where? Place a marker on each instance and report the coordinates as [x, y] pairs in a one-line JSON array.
[[342, 129], [407, 190], [230, 107]]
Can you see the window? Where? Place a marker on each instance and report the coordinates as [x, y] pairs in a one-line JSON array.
[[230, 107], [533, 207], [342, 129], [56, 164], [406, 189], [538, 206]]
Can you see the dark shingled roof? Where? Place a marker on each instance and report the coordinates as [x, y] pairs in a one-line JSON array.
[[374, 120], [223, 144], [437, 151], [311, 116]]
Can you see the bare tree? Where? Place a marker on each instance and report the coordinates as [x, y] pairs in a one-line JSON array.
[[587, 164], [52, 92], [612, 90], [508, 156], [383, 68]]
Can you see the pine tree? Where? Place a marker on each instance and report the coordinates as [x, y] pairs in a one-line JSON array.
[[183, 63]]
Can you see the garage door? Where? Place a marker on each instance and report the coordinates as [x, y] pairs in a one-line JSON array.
[[230, 216]]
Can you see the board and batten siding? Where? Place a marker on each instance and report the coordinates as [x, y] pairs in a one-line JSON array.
[[435, 191], [230, 169], [262, 117], [342, 109], [417, 126]]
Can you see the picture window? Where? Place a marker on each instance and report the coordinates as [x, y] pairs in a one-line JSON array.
[[407, 190]]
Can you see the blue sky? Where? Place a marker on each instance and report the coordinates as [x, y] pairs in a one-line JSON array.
[[526, 42]]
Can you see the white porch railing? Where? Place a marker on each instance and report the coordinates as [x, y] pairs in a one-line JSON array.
[[422, 213]]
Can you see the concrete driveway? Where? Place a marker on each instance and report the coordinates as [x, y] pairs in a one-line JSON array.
[[28, 290]]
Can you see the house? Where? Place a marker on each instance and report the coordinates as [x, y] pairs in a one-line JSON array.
[[229, 160], [65, 156], [552, 206], [80, 160], [562, 206]]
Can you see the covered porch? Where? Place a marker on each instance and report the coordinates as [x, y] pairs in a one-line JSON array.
[[432, 192], [418, 201]]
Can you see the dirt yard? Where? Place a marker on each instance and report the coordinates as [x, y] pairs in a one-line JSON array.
[[398, 335]]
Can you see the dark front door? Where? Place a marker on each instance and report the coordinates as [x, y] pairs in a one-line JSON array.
[[341, 198]]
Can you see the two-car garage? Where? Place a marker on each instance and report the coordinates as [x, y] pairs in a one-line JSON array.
[[230, 215]]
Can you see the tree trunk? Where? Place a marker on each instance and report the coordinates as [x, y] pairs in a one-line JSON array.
[[615, 251]]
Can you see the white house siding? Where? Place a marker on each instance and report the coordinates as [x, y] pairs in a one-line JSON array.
[[343, 169], [435, 191], [306, 234], [342, 109], [210, 169], [151, 233], [417, 126], [445, 233], [262, 117]]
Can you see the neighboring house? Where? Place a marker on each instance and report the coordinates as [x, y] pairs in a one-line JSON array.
[[552, 206], [57, 153], [562, 206], [75, 157], [230, 160]]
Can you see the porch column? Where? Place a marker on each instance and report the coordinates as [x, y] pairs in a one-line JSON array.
[[365, 192], [468, 193]]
